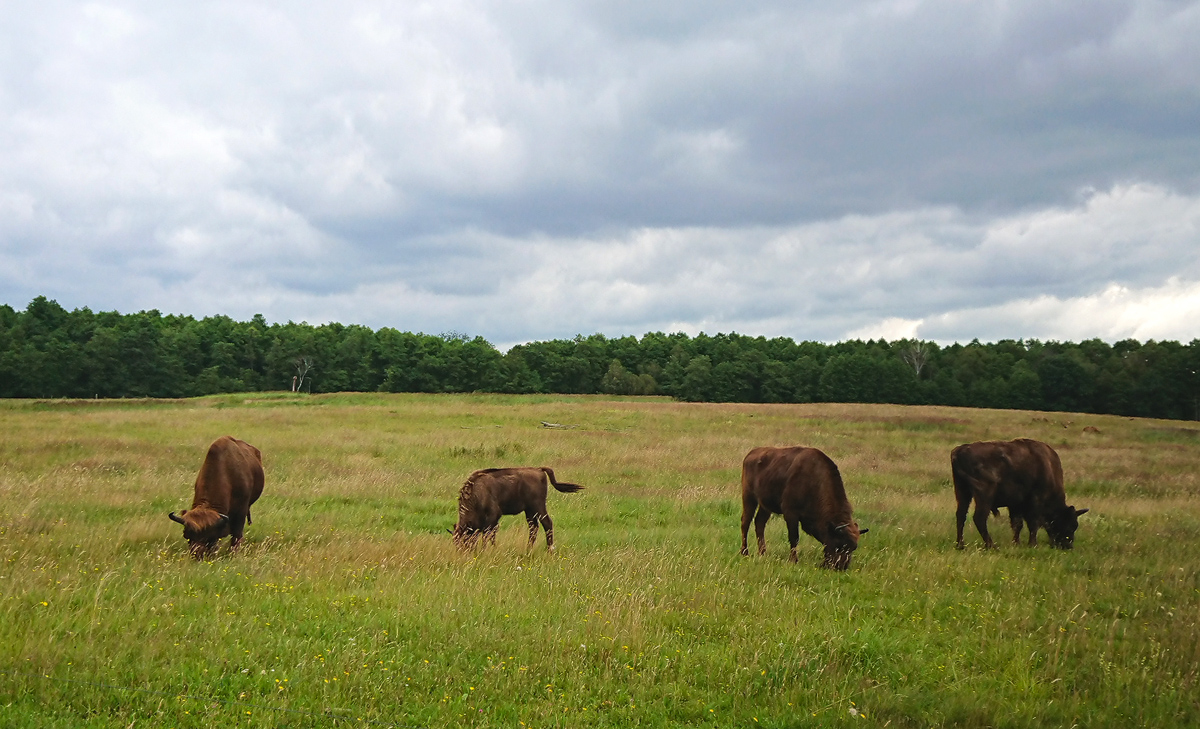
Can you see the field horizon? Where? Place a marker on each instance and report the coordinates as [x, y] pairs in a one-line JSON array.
[[348, 605]]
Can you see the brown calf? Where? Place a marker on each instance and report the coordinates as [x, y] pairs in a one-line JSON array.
[[492, 492]]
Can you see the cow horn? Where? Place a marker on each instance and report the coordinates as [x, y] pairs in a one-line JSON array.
[[175, 517], [1081, 512], [224, 519], [864, 531], [449, 531], [842, 526]]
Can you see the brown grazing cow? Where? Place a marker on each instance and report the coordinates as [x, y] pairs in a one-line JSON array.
[[491, 492], [230, 480], [805, 486], [1024, 475]]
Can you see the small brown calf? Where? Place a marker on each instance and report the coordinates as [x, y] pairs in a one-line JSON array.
[[490, 493]]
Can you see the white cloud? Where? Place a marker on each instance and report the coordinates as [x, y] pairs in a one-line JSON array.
[[890, 329], [1170, 311], [1120, 263], [917, 274]]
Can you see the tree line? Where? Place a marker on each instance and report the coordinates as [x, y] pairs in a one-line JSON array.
[[48, 352]]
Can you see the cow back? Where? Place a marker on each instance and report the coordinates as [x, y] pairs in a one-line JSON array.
[[1018, 473], [796, 479], [231, 477], [511, 490]]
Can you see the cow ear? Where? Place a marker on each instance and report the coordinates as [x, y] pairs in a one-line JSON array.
[[1080, 512]]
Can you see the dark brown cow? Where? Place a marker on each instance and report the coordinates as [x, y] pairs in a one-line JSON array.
[[492, 492], [805, 486], [230, 480], [1025, 476]]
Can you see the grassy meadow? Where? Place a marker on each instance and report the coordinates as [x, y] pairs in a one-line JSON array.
[[349, 606]]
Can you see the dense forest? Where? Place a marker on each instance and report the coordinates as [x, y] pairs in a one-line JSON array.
[[47, 351]]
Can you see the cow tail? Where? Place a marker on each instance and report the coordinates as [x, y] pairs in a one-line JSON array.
[[963, 489], [566, 488]]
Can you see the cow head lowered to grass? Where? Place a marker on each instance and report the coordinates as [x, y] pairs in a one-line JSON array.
[[1024, 475], [490, 493], [804, 485], [230, 480]]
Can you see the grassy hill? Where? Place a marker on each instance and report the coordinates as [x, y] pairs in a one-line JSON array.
[[349, 606]]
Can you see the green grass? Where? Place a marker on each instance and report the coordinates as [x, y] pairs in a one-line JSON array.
[[349, 606]]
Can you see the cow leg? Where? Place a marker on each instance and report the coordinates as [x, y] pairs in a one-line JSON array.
[[793, 526], [531, 518], [549, 527], [1016, 521], [749, 504], [201, 550], [237, 528], [1033, 530], [980, 518], [760, 528], [964, 502]]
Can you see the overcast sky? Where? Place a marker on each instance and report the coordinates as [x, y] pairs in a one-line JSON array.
[[537, 169]]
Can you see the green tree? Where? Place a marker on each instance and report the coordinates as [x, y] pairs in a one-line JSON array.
[[515, 376], [859, 377], [1024, 388], [1066, 383], [618, 380], [697, 379]]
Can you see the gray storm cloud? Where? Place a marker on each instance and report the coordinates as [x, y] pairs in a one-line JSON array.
[[538, 170]]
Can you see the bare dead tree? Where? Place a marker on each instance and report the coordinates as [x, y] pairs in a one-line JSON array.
[[916, 354], [304, 365]]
